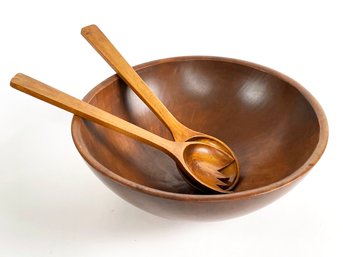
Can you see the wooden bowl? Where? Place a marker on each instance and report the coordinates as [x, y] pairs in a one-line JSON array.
[[276, 128]]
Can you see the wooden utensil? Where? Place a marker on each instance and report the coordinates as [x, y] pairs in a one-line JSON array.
[[180, 132], [197, 160]]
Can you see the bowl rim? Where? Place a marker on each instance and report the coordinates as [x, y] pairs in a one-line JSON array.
[[295, 176]]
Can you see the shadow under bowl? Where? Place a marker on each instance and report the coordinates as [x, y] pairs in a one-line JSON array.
[[277, 130]]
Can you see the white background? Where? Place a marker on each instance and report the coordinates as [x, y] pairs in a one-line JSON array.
[[50, 202]]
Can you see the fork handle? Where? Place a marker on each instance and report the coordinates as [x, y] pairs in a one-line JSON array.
[[85, 110]]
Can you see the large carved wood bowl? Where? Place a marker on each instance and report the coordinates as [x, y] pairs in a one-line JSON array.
[[275, 127]]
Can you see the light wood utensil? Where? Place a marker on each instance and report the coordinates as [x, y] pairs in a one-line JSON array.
[[180, 132], [197, 160]]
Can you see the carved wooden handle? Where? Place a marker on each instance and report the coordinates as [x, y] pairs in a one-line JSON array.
[[112, 56], [71, 104]]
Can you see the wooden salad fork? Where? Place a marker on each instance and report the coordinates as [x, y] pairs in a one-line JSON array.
[[196, 160]]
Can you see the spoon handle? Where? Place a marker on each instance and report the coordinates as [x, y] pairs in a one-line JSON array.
[[112, 56], [71, 104]]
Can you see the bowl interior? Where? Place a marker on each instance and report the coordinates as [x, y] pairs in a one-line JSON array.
[[268, 123]]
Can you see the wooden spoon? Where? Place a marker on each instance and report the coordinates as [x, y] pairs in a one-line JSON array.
[[197, 160], [180, 132]]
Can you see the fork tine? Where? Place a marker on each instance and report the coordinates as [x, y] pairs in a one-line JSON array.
[[211, 169], [211, 176], [220, 189], [220, 168], [217, 184], [219, 175], [225, 160], [215, 181]]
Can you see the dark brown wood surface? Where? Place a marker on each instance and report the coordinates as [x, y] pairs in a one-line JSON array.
[[276, 128]]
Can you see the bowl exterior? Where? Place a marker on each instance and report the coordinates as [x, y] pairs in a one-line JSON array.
[[192, 210]]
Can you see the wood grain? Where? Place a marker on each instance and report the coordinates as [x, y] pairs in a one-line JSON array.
[[275, 126]]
